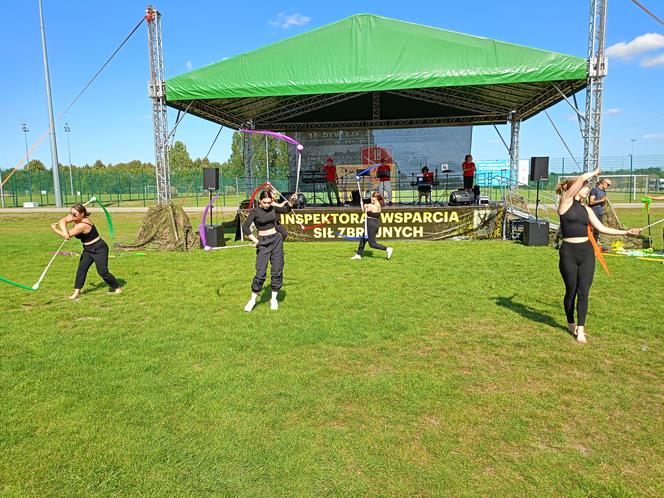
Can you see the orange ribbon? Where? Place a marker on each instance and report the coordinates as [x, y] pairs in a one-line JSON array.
[[598, 251]]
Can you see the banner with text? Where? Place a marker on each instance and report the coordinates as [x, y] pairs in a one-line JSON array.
[[432, 223]]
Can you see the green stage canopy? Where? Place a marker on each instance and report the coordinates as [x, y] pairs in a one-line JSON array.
[[367, 71]]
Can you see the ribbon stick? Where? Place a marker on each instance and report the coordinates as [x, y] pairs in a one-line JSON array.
[[232, 247], [359, 191], [652, 224], [297, 178]]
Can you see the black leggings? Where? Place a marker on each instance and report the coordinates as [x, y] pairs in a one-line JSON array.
[[372, 229], [97, 253], [577, 266], [270, 248]]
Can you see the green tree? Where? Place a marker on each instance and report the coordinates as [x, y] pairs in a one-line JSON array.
[[178, 157], [35, 165], [98, 164]]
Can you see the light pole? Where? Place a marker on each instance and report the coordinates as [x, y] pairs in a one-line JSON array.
[[71, 179], [631, 171], [25, 130]]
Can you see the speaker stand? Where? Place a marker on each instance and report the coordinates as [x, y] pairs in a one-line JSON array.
[[537, 200]]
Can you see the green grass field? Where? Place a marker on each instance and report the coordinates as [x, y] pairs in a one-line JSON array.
[[444, 371]]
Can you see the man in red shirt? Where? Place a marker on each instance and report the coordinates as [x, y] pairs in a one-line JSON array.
[[424, 186], [384, 183], [331, 180]]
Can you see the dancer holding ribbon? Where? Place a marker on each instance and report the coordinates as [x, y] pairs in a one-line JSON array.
[[578, 250], [95, 249], [269, 246], [372, 213]]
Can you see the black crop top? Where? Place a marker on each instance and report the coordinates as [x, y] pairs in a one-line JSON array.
[[264, 219], [575, 221], [373, 214], [87, 237]]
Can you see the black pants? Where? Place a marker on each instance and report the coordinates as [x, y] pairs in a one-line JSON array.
[[270, 248], [577, 267], [468, 182], [372, 229], [97, 253], [600, 217]]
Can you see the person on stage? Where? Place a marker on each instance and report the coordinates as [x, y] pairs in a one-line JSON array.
[[468, 167], [95, 249], [372, 212], [331, 180], [424, 186], [269, 246], [577, 257], [384, 184], [597, 200]]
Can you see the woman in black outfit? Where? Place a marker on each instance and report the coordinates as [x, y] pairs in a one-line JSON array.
[[95, 248], [269, 246], [372, 211], [577, 257]]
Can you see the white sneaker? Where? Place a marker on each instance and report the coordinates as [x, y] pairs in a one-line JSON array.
[[250, 305], [357, 256], [274, 304], [389, 252]]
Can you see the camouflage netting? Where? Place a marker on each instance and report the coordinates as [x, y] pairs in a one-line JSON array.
[[611, 220], [165, 228]]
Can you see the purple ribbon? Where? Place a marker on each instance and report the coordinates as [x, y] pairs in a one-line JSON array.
[[274, 134], [347, 237], [201, 227]]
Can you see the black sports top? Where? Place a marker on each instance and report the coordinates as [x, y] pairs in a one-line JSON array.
[[87, 237], [264, 219], [574, 222], [373, 214]]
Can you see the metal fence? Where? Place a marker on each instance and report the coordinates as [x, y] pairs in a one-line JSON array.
[[122, 187]]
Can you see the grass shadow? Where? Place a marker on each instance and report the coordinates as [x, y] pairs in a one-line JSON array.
[[528, 312], [102, 285]]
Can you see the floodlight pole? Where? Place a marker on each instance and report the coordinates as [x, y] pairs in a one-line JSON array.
[[51, 119], [597, 69], [157, 92]]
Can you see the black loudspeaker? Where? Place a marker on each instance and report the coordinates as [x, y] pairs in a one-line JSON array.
[[461, 198], [301, 202], [214, 235], [536, 233], [210, 178], [539, 168], [355, 198]]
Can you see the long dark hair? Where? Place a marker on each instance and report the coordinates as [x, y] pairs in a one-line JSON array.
[[81, 209], [265, 194], [379, 197], [465, 159]]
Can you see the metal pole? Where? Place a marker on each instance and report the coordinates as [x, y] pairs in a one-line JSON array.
[[51, 119], [2, 191], [267, 161], [71, 179], [25, 130]]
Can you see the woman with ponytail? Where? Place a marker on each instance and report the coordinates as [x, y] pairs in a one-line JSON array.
[[577, 256]]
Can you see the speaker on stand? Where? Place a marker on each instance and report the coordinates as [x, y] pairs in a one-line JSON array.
[[213, 233], [539, 170]]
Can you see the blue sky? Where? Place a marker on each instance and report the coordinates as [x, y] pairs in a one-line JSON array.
[[112, 120]]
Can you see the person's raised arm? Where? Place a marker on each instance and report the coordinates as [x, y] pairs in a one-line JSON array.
[[571, 192]]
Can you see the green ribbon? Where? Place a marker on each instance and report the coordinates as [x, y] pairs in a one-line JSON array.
[[108, 219], [10, 282]]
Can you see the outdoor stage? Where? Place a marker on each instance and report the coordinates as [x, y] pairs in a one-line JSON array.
[[398, 222]]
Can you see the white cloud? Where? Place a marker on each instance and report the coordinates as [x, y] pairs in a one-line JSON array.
[[653, 136], [572, 117], [613, 111], [286, 21], [658, 60], [189, 65], [639, 45]]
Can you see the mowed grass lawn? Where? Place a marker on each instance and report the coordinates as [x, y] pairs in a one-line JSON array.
[[445, 371]]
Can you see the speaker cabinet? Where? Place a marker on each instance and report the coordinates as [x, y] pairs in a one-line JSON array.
[[214, 234], [461, 198], [539, 168], [210, 178], [536, 233]]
